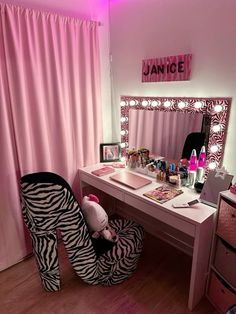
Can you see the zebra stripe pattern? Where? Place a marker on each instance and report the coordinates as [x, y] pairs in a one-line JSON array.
[[48, 204]]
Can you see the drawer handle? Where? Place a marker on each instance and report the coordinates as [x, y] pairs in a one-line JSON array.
[[233, 215], [222, 290]]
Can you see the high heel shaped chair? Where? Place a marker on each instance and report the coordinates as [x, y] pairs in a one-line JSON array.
[[48, 204]]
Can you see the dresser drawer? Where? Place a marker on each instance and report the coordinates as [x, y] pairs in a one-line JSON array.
[[225, 261], [220, 295], [226, 227]]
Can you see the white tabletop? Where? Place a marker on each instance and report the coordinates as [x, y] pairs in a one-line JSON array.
[[195, 214]]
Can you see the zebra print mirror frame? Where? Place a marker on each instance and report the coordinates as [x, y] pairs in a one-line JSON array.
[[216, 108]]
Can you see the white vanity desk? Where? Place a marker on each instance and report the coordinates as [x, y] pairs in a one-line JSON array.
[[189, 229]]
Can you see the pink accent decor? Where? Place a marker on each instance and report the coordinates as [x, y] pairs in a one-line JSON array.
[[163, 133], [172, 68], [50, 108], [93, 198], [202, 158], [193, 161], [217, 109]]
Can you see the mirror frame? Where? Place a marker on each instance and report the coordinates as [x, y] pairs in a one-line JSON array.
[[216, 108]]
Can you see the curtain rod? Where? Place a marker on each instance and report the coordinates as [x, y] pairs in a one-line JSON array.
[[37, 10]]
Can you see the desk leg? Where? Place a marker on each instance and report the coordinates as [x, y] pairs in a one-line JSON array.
[[81, 186], [200, 262]]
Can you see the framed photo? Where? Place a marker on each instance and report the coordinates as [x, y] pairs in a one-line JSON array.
[[109, 152]]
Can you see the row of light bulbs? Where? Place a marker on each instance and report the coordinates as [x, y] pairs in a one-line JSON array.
[[181, 105], [168, 103]]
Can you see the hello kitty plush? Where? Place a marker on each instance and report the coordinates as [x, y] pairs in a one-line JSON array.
[[97, 218]]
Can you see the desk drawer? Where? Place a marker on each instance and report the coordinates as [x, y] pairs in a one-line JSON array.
[[225, 261], [226, 227], [155, 212], [219, 294]]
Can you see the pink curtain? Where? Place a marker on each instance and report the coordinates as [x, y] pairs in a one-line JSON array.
[[50, 109], [163, 133]]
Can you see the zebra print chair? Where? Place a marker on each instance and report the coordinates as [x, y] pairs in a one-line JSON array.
[[48, 204]]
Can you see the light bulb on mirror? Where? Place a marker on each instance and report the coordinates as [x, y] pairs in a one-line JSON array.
[[132, 102], [214, 148], [218, 108], [212, 165], [181, 104], [216, 128], [155, 103], [167, 103], [198, 104], [144, 103], [122, 103], [123, 119]]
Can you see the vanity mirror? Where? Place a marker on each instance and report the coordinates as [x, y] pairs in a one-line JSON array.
[[216, 109]]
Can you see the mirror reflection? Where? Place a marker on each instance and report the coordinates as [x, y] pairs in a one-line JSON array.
[[163, 133]]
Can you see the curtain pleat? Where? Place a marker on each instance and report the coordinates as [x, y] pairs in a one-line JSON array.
[[50, 108]]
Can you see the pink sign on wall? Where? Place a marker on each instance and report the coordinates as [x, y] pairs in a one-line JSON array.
[[173, 68]]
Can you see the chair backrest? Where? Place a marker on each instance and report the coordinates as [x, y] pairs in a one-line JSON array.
[[48, 203], [193, 140]]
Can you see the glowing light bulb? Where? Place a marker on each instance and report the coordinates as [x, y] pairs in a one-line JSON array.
[[122, 145], [122, 132], [212, 165], [144, 103], [198, 104], [167, 103], [216, 128], [181, 104], [132, 102], [218, 108], [155, 103], [214, 148], [123, 119], [122, 103]]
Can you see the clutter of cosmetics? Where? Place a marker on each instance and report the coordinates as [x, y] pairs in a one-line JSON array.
[[182, 173]]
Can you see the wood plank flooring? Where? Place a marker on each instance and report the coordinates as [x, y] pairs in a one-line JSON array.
[[159, 286]]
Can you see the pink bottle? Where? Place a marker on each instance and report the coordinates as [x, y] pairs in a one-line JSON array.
[[193, 161], [202, 158]]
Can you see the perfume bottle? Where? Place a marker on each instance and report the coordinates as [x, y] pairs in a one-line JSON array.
[[193, 161]]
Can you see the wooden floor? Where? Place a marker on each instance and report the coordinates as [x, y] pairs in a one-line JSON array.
[[159, 286]]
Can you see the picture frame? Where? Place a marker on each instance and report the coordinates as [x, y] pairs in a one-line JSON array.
[[109, 152]]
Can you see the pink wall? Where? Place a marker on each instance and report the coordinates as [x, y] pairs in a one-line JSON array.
[[143, 29]]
